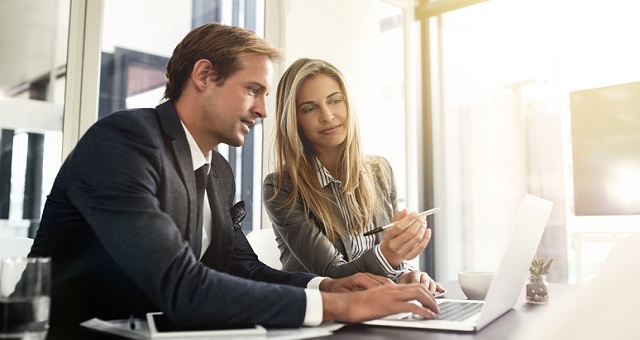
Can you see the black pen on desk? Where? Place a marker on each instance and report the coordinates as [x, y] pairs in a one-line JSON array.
[[132, 322], [385, 227]]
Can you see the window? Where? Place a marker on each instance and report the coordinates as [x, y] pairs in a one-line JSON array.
[[502, 77], [33, 36], [137, 41]]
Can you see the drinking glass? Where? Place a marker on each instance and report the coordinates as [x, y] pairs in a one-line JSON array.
[[25, 285]]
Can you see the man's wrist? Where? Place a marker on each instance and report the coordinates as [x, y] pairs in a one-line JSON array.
[[332, 306]]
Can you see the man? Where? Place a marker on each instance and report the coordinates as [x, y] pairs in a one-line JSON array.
[[121, 222]]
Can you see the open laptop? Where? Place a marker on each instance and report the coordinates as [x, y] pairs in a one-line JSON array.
[[507, 283]]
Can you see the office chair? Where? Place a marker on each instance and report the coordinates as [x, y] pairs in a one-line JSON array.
[[15, 246], [263, 242]]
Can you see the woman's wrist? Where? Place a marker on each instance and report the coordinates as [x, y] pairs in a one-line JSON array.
[[394, 260]]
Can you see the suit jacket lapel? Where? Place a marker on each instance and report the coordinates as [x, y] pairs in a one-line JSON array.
[[343, 243], [172, 126], [218, 255]]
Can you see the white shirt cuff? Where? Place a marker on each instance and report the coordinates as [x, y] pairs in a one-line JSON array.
[[313, 313], [315, 282]]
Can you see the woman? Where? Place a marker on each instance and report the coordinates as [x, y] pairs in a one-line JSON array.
[[325, 193]]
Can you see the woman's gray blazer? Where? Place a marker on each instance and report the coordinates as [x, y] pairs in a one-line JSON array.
[[303, 245]]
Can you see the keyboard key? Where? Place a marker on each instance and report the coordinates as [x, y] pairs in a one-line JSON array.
[[457, 310]]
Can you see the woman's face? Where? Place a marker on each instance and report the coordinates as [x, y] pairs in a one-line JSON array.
[[322, 113]]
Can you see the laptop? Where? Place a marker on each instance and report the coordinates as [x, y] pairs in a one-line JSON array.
[[506, 285]]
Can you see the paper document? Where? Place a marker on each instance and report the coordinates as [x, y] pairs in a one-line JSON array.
[[119, 327], [123, 329]]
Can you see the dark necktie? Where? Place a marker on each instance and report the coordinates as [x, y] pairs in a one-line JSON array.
[[201, 187]]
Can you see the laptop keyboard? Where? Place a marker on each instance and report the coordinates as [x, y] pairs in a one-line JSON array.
[[457, 310]]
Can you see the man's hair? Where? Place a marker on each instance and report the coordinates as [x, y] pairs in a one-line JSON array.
[[221, 45]]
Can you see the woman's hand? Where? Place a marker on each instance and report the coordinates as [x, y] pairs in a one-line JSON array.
[[421, 277], [406, 239], [353, 283]]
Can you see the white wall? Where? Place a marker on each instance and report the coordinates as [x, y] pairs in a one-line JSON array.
[[337, 31], [164, 25]]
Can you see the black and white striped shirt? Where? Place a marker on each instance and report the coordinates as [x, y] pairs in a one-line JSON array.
[[359, 243]]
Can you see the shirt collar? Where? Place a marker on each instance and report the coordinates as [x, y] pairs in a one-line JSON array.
[[324, 176], [197, 158]]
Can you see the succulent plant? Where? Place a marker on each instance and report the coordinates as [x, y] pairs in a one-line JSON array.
[[540, 266]]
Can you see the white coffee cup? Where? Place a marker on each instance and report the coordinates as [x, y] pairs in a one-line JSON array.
[[475, 285]]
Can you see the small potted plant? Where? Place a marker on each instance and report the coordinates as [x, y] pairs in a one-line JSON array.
[[538, 287]]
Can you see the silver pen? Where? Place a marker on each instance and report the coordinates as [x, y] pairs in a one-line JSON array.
[[385, 227]]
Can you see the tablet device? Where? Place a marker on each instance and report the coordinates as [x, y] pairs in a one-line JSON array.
[[161, 328]]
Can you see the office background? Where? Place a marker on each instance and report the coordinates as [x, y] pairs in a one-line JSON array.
[[473, 102]]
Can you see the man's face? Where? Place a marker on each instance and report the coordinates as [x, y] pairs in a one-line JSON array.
[[228, 110]]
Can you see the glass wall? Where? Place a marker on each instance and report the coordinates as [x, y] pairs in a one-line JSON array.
[[33, 38], [504, 117], [138, 38]]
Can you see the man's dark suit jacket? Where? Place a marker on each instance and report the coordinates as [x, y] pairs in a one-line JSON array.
[[118, 225]]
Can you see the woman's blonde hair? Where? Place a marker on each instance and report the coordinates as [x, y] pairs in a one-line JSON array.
[[295, 157]]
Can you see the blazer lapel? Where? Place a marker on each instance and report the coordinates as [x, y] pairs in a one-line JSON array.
[[171, 124], [346, 242], [343, 243], [218, 255]]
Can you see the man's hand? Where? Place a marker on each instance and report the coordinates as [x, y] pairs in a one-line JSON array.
[[379, 302], [353, 283], [406, 239], [417, 276]]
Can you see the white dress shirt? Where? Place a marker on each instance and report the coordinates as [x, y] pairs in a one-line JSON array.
[[313, 314]]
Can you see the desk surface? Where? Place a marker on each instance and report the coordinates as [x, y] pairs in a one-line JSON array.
[[501, 328]]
